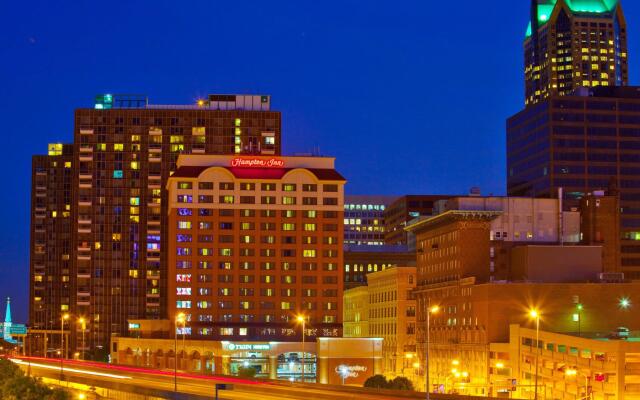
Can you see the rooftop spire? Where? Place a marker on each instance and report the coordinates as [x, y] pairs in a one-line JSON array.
[[7, 315]]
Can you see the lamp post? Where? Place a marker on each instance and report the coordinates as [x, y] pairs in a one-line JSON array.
[[179, 318], [536, 315], [430, 310], [63, 318], [574, 372], [301, 319], [83, 326]]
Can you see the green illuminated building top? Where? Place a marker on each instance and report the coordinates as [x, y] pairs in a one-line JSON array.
[[545, 8], [572, 44]]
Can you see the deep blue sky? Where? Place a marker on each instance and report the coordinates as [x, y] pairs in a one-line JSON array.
[[410, 96]]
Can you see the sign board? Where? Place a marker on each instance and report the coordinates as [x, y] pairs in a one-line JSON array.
[[134, 325], [256, 162], [238, 346], [350, 371], [18, 330]]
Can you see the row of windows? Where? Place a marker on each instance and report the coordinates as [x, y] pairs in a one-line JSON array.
[[228, 278], [247, 226], [230, 199], [250, 266], [250, 305], [250, 292], [227, 252], [206, 212], [265, 187]]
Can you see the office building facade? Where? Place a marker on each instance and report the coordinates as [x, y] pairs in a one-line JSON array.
[[404, 209], [255, 242], [472, 326], [362, 260], [51, 249], [124, 150], [571, 44], [582, 143], [364, 219]]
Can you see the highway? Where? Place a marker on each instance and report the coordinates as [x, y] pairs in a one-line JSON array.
[[80, 371]]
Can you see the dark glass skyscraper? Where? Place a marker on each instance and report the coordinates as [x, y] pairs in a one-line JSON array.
[[586, 142], [574, 43]]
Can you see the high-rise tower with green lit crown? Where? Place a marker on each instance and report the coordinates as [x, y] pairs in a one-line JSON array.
[[573, 43]]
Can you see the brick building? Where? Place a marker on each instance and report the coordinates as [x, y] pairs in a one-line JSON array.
[[254, 243]]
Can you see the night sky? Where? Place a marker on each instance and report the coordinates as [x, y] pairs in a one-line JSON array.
[[411, 96]]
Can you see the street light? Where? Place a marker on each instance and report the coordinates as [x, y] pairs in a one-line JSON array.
[[574, 372], [301, 319], [430, 310], [181, 318], [536, 315], [579, 308], [625, 303], [83, 326], [63, 318]]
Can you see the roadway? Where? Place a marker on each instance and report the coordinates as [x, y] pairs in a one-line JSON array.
[[80, 371]]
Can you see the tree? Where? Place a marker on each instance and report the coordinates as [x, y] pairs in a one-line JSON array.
[[16, 386], [376, 382], [246, 372], [400, 383]]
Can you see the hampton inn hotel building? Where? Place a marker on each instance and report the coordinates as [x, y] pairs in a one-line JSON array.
[[255, 255]]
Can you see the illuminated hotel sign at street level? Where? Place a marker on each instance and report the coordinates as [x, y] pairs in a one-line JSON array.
[[233, 347], [257, 162], [350, 371]]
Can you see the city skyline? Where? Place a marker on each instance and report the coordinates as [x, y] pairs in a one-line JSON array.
[[318, 113]]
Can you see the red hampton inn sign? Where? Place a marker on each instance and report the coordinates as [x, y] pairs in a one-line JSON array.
[[257, 162]]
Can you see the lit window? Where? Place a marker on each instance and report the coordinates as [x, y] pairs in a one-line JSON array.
[[288, 227], [134, 201], [184, 224], [309, 253], [185, 185], [183, 304], [118, 147], [183, 198], [117, 174], [135, 165]]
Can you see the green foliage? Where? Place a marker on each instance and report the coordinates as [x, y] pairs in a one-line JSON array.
[[400, 383], [14, 385], [376, 382], [380, 382], [247, 372]]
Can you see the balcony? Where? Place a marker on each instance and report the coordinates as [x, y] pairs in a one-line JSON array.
[[83, 302], [84, 202], [84, 274], [86, 131], [86, 157], [84, 257], [85, 176], [86, 148]]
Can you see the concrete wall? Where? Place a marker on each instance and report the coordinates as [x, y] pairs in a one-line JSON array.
[[556, 264]]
